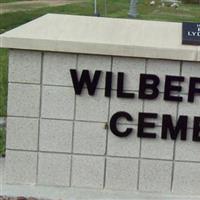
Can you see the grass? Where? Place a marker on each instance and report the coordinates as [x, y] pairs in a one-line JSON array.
[[2, 141], [14, 19], [3, 80], [29, 6], [3, 94], [116, 8], [186, 12]]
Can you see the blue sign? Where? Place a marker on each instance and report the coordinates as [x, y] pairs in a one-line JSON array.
[[191, 33]]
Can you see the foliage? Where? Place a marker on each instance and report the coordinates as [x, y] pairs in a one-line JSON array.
[[192, 1], [3, 81], [2, 141]]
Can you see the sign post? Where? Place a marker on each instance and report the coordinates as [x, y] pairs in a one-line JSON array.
[[133, 9]]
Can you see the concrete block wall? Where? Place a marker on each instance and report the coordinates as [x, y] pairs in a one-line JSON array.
[[57, 138]]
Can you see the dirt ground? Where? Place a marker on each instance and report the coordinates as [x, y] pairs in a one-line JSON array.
[[28, 5]]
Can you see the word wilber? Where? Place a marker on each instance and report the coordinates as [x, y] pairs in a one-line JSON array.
[[148, 89]]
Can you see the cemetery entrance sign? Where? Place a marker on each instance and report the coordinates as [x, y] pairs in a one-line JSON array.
[[89, 108]]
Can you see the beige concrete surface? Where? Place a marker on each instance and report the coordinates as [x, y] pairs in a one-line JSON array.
[[85, 194], [104, 36], [78, 194], [2, 165]]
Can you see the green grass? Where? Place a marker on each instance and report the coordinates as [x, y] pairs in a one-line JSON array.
[[3, 81], [14, 19], [186, 12], [29, 6], [2, 141], [116, 8]]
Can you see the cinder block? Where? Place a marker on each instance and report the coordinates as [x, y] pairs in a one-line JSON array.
[[23, 100], [21, 167], [92, 108], [132, 68], [22, 133], [24, 66], [121, 174], [95, 62], [88, 171], [58, 102], [56, 68], [186, 178], [56, 135], [132, 106], [187, 150], [189, 69], [157, 148], [155, 176], [161, 68], [89, 138], [189, 109], [126, 146], [54, 169], [160, 107]]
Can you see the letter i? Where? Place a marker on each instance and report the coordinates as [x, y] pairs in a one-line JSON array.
[[108, 84]]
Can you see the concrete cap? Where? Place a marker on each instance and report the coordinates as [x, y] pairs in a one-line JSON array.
[[104, 36]]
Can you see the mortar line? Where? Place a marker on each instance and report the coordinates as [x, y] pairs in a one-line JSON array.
[[84, 87], [87, 121], [24, 83], [107, 131], [39, 119], [174, 150], [73, 127], [109, 156], [69, 120], [8, 91], [68, 86], [140, 148]]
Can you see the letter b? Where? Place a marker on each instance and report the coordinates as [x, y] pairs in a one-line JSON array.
[[148, 86]]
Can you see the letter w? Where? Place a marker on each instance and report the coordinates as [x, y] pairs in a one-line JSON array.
[[85, 79]]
